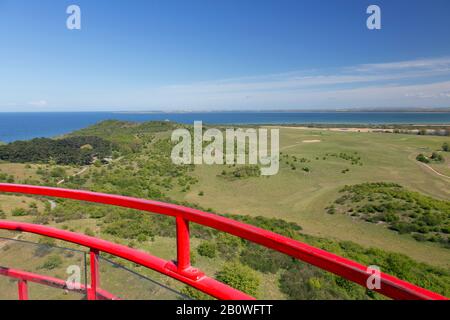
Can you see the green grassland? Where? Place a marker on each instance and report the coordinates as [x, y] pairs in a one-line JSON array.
[[302, 197], [315, 166]]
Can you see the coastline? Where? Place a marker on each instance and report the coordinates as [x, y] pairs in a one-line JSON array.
[[35, 125]]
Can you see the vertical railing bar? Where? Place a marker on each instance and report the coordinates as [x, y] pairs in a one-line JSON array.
[[183, 244], [85, 276], [95, 281], [23, 289]]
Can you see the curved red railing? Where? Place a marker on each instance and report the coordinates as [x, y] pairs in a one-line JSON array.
[[181, 269]]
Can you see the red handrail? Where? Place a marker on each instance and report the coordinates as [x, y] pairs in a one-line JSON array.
[[390, 286], [24, 277]]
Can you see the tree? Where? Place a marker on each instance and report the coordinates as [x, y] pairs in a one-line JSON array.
[[422, 132], [437, 157], [446, 147], [422, 158]]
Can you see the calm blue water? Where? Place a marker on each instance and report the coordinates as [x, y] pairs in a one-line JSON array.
[[22, 126]]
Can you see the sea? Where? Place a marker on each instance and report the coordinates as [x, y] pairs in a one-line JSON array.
[[25, 126]]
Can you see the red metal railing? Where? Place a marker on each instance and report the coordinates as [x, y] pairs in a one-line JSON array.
[[182, 270], [23, 278]]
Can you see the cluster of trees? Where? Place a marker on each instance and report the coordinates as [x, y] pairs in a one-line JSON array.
[[435, 157], [129, 137], [242, 172], [425, 218], [354, 158], [73, 150], [434, 131]]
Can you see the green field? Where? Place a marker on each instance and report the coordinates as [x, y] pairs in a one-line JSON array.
[[302, 197], [315, 165]]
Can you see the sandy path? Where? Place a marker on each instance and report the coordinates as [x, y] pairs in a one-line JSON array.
[[412, 158], [74, 175], [333, 129], [438, 173]]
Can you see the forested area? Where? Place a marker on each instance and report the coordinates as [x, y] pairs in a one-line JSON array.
[[67, 151]]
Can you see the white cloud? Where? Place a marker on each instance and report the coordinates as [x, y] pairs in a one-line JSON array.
[[398, 84], [39, 103], [434, 64], [414, 83]]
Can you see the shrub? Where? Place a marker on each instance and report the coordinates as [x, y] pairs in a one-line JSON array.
[[331, 210], [305, 282], [89, 232], [437, 157], [422, 158], [195, 294], [207, 249], [446, 147], [141, 238], [263, 259], [19, 212], [51, 263], [240, 277], [228, 246]]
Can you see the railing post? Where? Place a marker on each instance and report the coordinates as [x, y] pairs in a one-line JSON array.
[[95, 281], [23, 289], [183, 244]]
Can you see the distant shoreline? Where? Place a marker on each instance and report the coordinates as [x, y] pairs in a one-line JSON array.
[[25, 126], [445, 111], [306, 111]]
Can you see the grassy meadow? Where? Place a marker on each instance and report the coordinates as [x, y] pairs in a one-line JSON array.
[[315, 164], [301, 197]]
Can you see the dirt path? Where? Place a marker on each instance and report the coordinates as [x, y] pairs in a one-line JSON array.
[[411, 157], [430, 168], [74, 175]]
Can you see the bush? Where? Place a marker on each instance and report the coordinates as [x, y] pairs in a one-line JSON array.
[[228, 246], [437, 157], [246, 172], [207, 249], [19, 212], [305, 282], [264, 260], [446, 147], [422, 158], [89, 232], [195, 294], [51, 263], [331, 210], [240, 277]]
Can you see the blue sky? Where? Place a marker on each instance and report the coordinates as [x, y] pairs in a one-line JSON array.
[[223, 55]]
